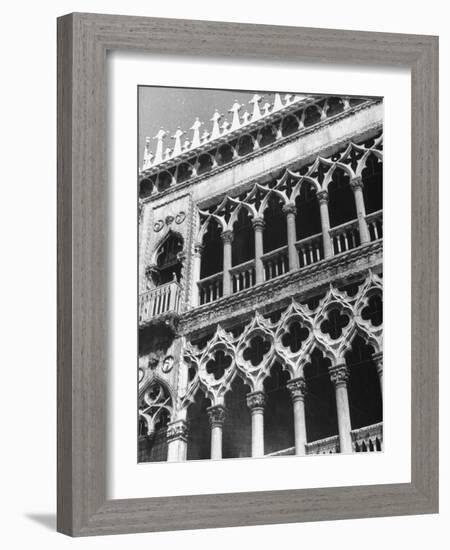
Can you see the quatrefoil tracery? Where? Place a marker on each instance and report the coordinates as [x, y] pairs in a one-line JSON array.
[[289, 338], [288, 187]]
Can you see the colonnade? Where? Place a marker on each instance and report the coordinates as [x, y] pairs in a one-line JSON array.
[[290, 211], [177, 433]]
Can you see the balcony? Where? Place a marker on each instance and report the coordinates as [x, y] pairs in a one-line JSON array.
[[162, 300], [365, 440]]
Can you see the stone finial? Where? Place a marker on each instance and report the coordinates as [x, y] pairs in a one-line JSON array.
[[287, 99], [246, 118], [148, 155], [159, 145], [186, 145], [235, 108], [167, 153], [266, 108], [277, 103], [256, 111], [216, 128], [196, 137], [225, 127], [205, 136], [177, 137]]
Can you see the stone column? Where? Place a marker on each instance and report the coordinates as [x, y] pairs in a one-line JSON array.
[[378, 359], [177, 435], [297, 388], [290, 211], [196, 265], [256, 402], [357, 186], [339, 375], [216, 419], [322, 197], [258, 226], [227, 238]]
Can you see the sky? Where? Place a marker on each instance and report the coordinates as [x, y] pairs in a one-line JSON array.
[[173, 107]]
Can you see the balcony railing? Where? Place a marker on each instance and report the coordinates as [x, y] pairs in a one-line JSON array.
[[368, 439], [210, 288], [375, 225], [328, 445], [310, 250], [243, 276], [160, 300], [345, 237], [275, 263]]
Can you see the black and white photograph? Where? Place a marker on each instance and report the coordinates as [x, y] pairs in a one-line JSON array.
[[260, 274]]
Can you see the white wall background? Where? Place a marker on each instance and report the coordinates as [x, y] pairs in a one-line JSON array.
[[28, 273]]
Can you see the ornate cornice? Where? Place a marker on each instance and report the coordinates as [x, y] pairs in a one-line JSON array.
[[270, 147]]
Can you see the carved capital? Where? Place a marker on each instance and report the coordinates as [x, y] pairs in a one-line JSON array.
[[258, 224], [356, 183], [256, 401], [290, 208], [217, 415], [177, 430], [297, 388], [339, 374], [227, 236], [322, 197]]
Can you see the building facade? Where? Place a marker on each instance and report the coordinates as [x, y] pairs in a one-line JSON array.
[[260, 283]]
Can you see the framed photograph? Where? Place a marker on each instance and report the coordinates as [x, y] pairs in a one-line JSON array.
[[247, 274]]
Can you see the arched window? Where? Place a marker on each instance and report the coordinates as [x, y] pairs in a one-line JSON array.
[[364, 391], [307, 220], [320, 399], [275, 231], [155, 410], [341, 200], [372, 177], [237, 431], [168, 264], [243, 248], [279, 416], [199, 442], [212, 255]]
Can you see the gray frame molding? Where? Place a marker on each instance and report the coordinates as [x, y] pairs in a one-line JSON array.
[[83, 40]]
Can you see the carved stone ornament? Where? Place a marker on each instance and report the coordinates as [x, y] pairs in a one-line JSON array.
[[297, 388], [153, 360], [256, 400], [157, 226], [290, 208], [227, 236], [217, 415], [356, 182], [180, 217], [167, 365], [177, 430], [322, 196], [169, 220], [259, 223], [339, 374]]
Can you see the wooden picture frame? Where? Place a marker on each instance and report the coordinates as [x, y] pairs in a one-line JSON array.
[[83, 41]]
